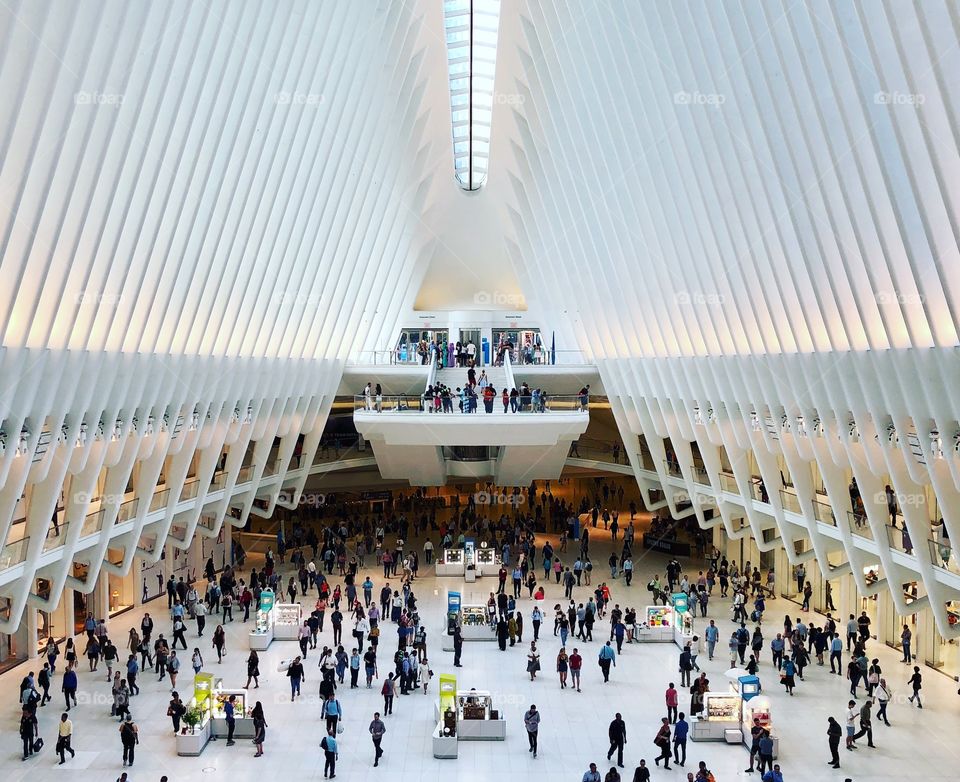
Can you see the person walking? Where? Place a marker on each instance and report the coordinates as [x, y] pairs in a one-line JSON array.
[[773, 775], [916, 682], [680, 731], [591, 774], [64, 736], [175, 711], [377, 729], [329, 747], [533, 661], [607, 657], [332, 712], [219, 642], [672, 698], [662, 740], [866, 725], [259, 728], [69, 686], [388, 691], [883, 696], [576, 663], [834, 732], [617, 733], [297, 675], [253, 670], [29, 728], [129, 738], [531, 721]]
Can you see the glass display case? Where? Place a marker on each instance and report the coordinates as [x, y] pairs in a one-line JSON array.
[[477, 720], [720, 719], [220, 698], [287, 618], [262, 633], [473, 624], [723, 707], [656, 624], [451, 562]]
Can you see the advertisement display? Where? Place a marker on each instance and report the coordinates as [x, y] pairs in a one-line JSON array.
[[262, 634]]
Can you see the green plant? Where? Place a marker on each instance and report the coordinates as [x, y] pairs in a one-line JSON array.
[[193, 717]]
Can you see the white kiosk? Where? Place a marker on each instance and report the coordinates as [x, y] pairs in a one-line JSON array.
[[262, 634]]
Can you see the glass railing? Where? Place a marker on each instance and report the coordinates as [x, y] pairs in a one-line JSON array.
[[700, 476], [219, 480], [333, 448], [859, 524], [14, 553], [790, 501], [190, 489], [401, 355], [941, 555], [673, 469], [823, 513], [413, 404], [245, 475], [728, 483], [92, 523], [128, 510], [899, 538], [597, 450], [56, 535], [470, 453], [159, 500]]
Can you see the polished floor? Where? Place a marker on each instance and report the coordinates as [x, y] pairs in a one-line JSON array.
[[573, 729]]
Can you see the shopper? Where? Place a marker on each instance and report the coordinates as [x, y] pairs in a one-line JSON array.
[[531, 721], [219, 642], [834, 732], [65, 734], [866, 725], [332, 712], [69, 687], [916, 682], [29, 730], [229, 713], [296, 674], [388, 691], [591, 775], [196, 661], [253, 670], [672, 698], [607, 657], [576, 663], [175, 711], [883, 696], [259, 728], [129, 738], [377, 729], [533, 661], [680, 731], [662, 740], [329, 747]]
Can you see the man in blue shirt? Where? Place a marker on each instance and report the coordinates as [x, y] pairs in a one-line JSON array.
[[773, 775], [592, 775], [712, 635], [329, 746], [228, 712], [607, 656], [680, 730]]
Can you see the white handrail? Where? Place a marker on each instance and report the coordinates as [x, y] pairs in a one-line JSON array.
[[508, 369]]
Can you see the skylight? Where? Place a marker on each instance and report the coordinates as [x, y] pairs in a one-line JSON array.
[[471, 28]]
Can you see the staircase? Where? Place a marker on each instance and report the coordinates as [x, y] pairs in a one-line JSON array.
[[456, 377]]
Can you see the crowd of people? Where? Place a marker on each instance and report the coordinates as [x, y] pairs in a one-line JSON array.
[[334, 570]]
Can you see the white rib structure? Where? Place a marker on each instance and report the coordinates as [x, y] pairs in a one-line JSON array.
[[204, 209], [752, 208]]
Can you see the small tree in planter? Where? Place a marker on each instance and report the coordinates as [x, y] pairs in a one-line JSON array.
[[192, 718]]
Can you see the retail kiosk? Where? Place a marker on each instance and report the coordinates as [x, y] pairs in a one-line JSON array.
[[262, 633], [656, 625], [243, 722], [192, 740], [730, 716], [287, 619], [464, 715], [450, 562], [682, 620]]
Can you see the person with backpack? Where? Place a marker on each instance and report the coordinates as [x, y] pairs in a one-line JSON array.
[[329, 747], [388, 691], [129, 738], [29, 730]]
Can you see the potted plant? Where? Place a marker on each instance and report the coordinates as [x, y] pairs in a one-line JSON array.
[[192, 718]]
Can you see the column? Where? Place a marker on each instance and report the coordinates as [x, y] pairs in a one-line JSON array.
[[30, 620]]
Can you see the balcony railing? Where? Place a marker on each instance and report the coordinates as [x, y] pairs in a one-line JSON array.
[[823, 512], [728, 483], [859, 524], [128, 510], [790, 501], [942, 556], [93, 523], [245, 475], [672, 469], [159, 500], [407, 404], [190, 489], [14, 553], [700, 476]]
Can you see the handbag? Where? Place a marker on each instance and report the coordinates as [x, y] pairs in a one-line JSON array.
[[339, 727], [37, 744]]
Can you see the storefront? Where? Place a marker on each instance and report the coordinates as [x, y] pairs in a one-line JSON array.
[[58, 623], [153, 578], [13, 647], [121, 590]]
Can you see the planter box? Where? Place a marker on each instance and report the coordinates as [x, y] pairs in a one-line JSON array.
[[192, 744], [242, 729]]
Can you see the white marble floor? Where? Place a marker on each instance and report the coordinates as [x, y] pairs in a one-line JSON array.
[[573, 729]]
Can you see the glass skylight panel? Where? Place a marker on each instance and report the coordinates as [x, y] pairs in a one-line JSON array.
[[471, 28]]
